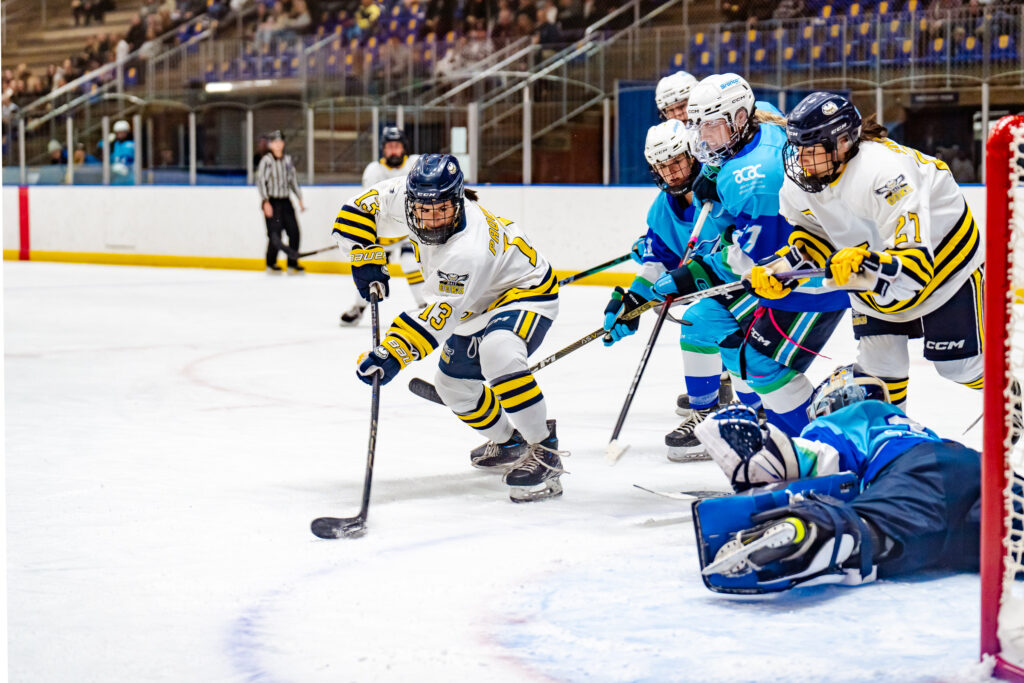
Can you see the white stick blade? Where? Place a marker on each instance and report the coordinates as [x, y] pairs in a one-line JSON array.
[[615, 450]]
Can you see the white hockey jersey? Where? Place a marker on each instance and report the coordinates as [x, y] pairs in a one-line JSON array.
[[377, 171], [486, 268], [895, 199]]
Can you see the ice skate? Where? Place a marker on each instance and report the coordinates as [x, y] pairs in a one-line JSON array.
[[274, 269], [752, 549], [498, 457], [352, 316], [683, 444], [535, 475], [725, 396], [296, 269]]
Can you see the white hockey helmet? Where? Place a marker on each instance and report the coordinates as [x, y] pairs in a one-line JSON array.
[[666, 143], [122, 127], [674, 89], [714, 111]]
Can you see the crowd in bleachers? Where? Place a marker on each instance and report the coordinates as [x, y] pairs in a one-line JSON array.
[[803, 34]]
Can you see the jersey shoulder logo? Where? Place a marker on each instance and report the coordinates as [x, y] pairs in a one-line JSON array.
[[895, 189], [452, 283], [747, 173]]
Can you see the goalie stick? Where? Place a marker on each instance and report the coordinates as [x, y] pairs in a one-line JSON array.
[[354, 527], [685, 495]]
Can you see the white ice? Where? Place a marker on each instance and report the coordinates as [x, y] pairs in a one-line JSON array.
[[170, 433]]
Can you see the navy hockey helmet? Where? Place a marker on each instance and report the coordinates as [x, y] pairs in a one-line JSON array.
[[393, 134], [847, 384], [825, 119], [435, 192]]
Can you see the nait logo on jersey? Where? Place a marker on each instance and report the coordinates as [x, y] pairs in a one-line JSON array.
[[747, 173], [452, 283], [895, 190]]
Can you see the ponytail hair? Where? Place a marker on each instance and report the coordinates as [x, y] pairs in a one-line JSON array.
[[871, 129], [470, 194]]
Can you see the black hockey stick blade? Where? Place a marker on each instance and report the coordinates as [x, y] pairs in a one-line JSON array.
[[425, 389], [338, 527], [317, 251]]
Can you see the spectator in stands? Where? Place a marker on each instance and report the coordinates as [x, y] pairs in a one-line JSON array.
[[789, 9], [548, 33], [963, 167], [477, 13], [505, 30], [524, 24], [82, 158], [440, 18], [136, 35], [593, 12], [395, 58], [56, 153], [453, 62], [299, 20], [570, 18], [367, 17], [151, 48], [939, 15]]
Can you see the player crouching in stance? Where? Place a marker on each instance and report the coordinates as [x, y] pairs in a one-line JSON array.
[[912, 500], [491, 298]]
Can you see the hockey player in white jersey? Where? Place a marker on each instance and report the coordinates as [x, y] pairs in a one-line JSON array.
[[395, 161], [490, 299], [891, 225]]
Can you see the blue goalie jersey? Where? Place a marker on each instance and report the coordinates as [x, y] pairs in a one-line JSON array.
[[866, 436]]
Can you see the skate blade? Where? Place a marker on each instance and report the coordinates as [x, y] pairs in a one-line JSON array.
[[735, 563], [528, 494], [682, 454], [615, 450]]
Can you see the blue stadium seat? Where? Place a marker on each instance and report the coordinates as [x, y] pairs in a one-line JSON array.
[[969, 50], [1004, 47]]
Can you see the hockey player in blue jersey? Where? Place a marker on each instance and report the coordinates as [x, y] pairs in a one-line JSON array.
[[669, 150], [916, 504], [765, 344]]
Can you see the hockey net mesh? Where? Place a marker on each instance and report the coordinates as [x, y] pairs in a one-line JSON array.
[[1011, 609]]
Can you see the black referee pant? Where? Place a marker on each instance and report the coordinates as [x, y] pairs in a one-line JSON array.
[[283, 220]]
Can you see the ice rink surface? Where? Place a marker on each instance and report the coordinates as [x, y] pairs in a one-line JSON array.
[[170, 433]]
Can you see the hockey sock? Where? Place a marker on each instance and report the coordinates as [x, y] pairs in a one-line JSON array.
[[786, 401], [488, 418], [897, 387], [745, 394], [522, 399], [702, 369]]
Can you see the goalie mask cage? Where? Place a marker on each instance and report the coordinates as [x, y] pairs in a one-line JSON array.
[[1002, 546]]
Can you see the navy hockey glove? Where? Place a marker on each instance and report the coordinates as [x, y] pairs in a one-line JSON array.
[[687, 279], [639, 248], [369, 265], [622, 302], [705, 189], [386, 360]]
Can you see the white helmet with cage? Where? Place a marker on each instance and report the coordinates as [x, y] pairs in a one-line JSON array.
[[670, 151], [722, 104], [674, 89]]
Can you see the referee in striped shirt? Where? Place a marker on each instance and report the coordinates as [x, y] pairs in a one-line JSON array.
[[276, 180]]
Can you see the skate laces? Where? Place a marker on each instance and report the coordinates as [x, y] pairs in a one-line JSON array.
[[534, 458], [695, 418]]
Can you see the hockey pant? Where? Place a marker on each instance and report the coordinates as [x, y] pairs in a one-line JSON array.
[[765, 350], [282, 221], [486, 381], [953, 341], [406, 255], [927, 503]]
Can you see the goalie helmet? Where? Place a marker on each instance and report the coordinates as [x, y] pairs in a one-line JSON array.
[[673, 90], [435, 194], [667, 145], [847, 384], [718, 101], [825, 119]]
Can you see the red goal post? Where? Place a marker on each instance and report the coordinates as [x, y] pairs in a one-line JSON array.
[[1002, 569]]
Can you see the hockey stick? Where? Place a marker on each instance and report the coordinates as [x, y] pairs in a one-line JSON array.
[[615, 449], [316, 251], [595, 269], [354, 527]]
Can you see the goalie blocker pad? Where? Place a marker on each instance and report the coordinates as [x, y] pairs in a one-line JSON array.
[[716, 521]]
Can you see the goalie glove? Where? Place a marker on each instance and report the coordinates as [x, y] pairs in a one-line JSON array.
[[761, 279], [748, 453], [622, 302], [863, 270]]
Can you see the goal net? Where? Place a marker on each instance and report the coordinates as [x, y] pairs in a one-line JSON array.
[[1002, 543]]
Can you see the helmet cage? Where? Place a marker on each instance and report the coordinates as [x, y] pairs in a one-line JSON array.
[[415, 206], [682, 187], [844, 387], [738, 137]]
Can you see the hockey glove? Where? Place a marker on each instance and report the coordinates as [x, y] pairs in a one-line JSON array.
[[687, 279], [622, 302], [761, 279], [705, 189], [749, 453], [386, 360], [369, 265], [639, 248], [859, 269]]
